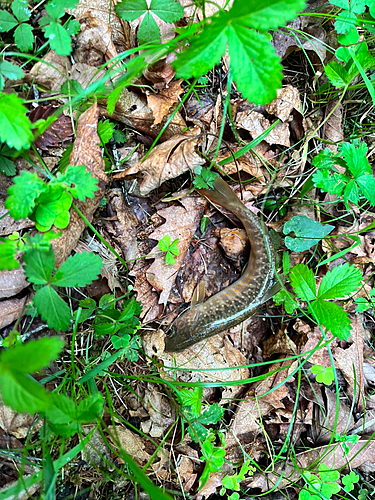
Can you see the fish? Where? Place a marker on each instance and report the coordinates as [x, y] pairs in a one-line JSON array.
[[237, 302]]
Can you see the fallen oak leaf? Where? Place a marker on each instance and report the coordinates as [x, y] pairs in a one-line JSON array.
[[166, 161], [161, 103]]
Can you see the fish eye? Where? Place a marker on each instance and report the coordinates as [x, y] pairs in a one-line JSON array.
[[171, 331]]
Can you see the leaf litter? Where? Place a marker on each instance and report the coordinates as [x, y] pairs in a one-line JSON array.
[[260, 411]]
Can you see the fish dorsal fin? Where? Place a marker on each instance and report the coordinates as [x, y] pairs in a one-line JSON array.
[[198, 294]]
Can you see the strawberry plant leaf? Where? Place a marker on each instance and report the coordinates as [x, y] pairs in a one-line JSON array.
[[15, 127], [23, 193], [337, 74], [332, 316], [8, 250], [130, 10], [32, 356], [10, 71], [148, 31], [22, 393], [340, 282], [307, 231], [212, 415], [355, 157], [303, 282], [7, 21], [20, 10], [204, 178], [168, 11], [23, 37], [59, 38], [84, 185], [285, 298], [80, 269], [193, 399], [345, 22], [52, 309], [39, 265], [366, 183]]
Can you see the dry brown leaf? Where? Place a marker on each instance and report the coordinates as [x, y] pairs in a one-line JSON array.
[[7, 224], [12, 282], [93, 44], [215, 353], [161, 72], [234, 242], [333, 129], [181, 223], [287, 99], [277, 394], [86, 151], [14, 423], [132, 443], [58, 132], [161, 103], [52, 75], [11, 309], [161, 414], [166, 161], [255, 123]]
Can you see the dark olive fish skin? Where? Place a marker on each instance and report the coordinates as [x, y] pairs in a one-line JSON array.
[[237, 302]]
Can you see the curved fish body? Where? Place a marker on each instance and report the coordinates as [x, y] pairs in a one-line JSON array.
[[237, 302]]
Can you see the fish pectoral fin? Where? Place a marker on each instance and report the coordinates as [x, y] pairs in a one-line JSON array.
[[272, 291], [198, 294]]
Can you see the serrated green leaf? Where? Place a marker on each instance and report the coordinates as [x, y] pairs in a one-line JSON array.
[[10, 71], [20, 10], [367, 186], [105, 131], [168, 11], [73, 27], [285, 298], [248, 50], [59, 38], [23, 394], [193, 399], [345, 21], [23, 37], [351, 192], [308, 233], [84, 185], [148, 30], [56, 8], [197, 432], [52, 309], [7, 21], [39, 265], [78, 270], [303, 282], [332, 316], [23, 193], [32, 356], [8, 251], [340, 282], [355, 157], [332, 184], [362, 304], [212, 415], [324, 160], [337, 74], [130, 10], [266, 15], [15, 127]]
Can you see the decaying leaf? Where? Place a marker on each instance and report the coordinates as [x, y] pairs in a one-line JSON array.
[[166, 161], [12, 282], [11, 309], [255, 123], [59, 131], [287, 99], [161, 103]]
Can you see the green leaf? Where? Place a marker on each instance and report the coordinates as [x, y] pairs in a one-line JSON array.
[[168, 11], [345, 22], [337, 74], [204, 178], [266, 15], [340, 282], [169, 259], [324, 160], [130, 10], [193, 399], [303, 282], [349, 480], [51, 204], [164, 243], [248, 50], [355, 157], [84, 185], [173, 248], [148, 30], [10, 71], [78, 270], [331, 184], [56, 8], [20, 10], [332, 316], [23, 193], [362, 303], [22, 393], [8, 251], [15, 127], [324, 375], [39, 265], [32, 356], [308, 233], [7, 21], [52, 309], [367, 185], [285, 298], [105, 131], [23, 37], [212, 415], [59, 38]]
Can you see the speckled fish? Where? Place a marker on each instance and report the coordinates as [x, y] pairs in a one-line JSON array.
[[238, 301]]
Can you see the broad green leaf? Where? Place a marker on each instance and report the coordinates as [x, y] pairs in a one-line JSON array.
[[332, 184], [52, 204], [59, 38], [197, 432], [52, 309], [56, 8], [169, 259], [265, 15], [324, 375], [61, 221], [340, 282], [84, 185], [22, 194], [164, 243], [351, 192], [169, 11], [355, 157], [148, 31], [332, 316], [337, 74], [21, 10], [350, 37], [308, 233], [367, 186], [8, 250], [349, 480], [248, 50], [284, 297], [345, 21], [78, 270], [7, 21], [32, 356], [11, 71], [22, 393], [324, 160], [303, 282], [362, 304], [39, 265], [204, 178], [73, 27], [174, 248], [130, 308], [105, 131], [130, 10], [23, 37], [193, 399], [212, 415], [15, 127]]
